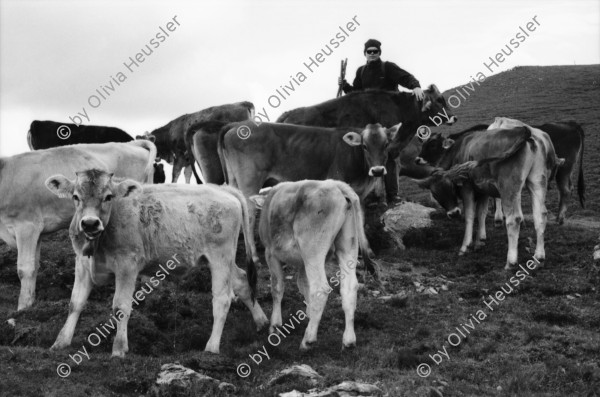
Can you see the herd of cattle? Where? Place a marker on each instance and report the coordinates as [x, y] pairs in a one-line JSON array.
[[322, 162]]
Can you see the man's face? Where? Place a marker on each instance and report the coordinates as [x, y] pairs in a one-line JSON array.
[[372, 54]]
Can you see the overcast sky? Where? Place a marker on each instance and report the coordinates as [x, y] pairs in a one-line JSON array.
[[55, 54]]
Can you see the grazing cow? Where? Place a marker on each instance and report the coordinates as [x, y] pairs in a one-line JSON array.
[[49, 134], [176, 149], [509, 159], [302, 224], [384, 107], [28, 209], [121, 228], [568, 140]]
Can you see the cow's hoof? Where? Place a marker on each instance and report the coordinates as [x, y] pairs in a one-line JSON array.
[[478, 245], [273, 328], [498, 223], [539, 262], [462, 253], [306, 346], [118, 355], [349, 346], [510, 266], [58, 346]]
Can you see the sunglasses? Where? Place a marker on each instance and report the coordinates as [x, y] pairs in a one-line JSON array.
[[372, 52]]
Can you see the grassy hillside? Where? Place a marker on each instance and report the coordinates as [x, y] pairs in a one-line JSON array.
[[542, 340]]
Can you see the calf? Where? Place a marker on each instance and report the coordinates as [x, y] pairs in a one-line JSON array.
[[301, 224], [509, 159], [120, 228]]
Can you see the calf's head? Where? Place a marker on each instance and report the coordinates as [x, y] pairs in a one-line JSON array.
[[375, 141], [92, 192]]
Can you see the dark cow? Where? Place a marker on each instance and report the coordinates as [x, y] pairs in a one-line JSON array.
[[203, 139], [159, 173], [509, 159], [375, 106], [255, 154], [170, 139], [48, 134]]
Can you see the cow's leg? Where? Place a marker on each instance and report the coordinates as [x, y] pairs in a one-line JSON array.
[[302, 283], [468, 198], [318, 292], [482, 210], [511, 205], [391, 180], [498, 215], [81, 290], [28, 252], [187, 173], [277, 289], [537, 190], [178, 164], [124, 289], [221, 293], [347, 256], [565, 188], [242, 289]]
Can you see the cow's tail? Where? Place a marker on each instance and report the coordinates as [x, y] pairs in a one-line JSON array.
[[580, 181], [352, 198], [151, 147], [252, 260]]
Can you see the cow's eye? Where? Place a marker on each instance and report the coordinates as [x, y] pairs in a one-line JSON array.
[[108, 198], [75, 197]]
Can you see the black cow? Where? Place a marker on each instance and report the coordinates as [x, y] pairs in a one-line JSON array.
[[48, 134]]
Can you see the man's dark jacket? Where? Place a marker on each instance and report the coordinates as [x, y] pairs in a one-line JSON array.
[[373, 75]]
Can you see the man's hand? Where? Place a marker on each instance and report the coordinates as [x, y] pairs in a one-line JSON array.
[[418, 93], [341, 81]]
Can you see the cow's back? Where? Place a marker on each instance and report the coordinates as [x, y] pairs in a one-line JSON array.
[[23, 194], [171, 218]]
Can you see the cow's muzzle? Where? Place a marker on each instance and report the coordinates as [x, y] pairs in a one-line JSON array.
[[377, 171], [454, 213], [91, 227]]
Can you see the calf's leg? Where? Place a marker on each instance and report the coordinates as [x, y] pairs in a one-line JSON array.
[[79, 296], [124, 289], [28, 256]]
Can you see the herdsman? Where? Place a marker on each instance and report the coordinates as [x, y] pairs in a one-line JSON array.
[[387, 76]]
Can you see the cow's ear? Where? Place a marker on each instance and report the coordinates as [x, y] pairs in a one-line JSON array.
[[352, 139], [60, 186], [426, 105], [152, 138], [392, 132], [433, 88], [448, 142], [128, 188]]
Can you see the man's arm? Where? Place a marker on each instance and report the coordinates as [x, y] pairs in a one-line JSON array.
[[400, 76], [357, 84]]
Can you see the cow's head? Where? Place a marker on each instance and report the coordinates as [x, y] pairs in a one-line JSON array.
[[92, 192], [147, 136], [434, 109], [375, 140], [444, 191]]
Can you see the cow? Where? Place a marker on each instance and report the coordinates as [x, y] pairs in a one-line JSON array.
[[48, 134], [171, 141], [568, 140], [286, 152], [302, 224], [28, 209], [203, 139], [159, 173], [121, 228], [508, 160], [387, 108]]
